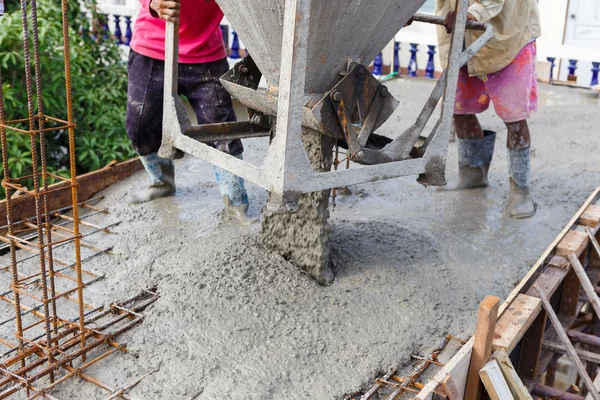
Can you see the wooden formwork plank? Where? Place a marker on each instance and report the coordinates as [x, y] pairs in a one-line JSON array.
[[515, 322], [450, 388], [569, 300], [531, 348], [573, 242], [591, 216], [592, 198], [494, 382], [518, 390], [482, 347], [594, 261], [23, 206], [457, 367], [550, 279]]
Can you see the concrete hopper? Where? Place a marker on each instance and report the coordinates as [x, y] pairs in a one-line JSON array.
[[314, 54], [340, 31]]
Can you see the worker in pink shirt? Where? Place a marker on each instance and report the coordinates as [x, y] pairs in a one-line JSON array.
[[202, 61]]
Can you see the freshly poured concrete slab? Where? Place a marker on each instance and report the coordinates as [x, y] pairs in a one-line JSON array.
[[412, 264]]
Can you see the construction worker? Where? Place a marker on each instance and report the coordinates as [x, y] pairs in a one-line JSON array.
[[502, 73], [202, 61]]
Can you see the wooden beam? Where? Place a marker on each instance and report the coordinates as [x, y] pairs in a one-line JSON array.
[[518, 390], [550, 335], [569, 300], [591, 216], [592, 238], [585, 283], [550, 279], [450, 388], [482, 347], [550, 392], [531, 348], [515, 322], [573, 242], [596, 385], [494, 381], [583, 354], [569, 346], [584, 338], [23, 206]]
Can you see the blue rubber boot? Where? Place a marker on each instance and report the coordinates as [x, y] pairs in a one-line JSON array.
[[162, 176], [234, 194]]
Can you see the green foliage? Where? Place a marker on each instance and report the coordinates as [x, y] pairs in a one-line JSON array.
[[99, 88]]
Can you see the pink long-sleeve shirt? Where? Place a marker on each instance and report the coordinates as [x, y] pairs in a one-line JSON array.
[[200, 38]]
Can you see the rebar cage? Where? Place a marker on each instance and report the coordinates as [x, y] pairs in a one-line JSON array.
[[57, 333]]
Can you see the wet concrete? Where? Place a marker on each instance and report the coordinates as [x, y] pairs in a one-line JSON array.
[[238, 322], [302, 237]]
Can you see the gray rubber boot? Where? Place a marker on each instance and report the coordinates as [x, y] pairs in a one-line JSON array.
[[235, 196], [474, 159], [162, 175], [238, 213], [520, 204]]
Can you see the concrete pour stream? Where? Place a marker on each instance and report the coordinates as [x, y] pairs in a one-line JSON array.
[[235, 321]]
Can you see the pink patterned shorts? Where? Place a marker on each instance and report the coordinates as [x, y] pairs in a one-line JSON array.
[[513, 90]]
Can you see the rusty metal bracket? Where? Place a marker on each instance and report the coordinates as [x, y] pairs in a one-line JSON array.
[[360, 91], [359, 104]]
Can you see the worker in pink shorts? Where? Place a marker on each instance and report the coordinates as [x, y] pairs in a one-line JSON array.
[[502, 73]]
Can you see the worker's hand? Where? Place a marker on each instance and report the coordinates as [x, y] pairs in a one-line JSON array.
[[165, 9], [450, 17]]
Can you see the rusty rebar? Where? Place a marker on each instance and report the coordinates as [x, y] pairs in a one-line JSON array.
[[34, 159], [8, 192], [73, 170], [409, 383], [58, 342], [43, 158], [96, 336]]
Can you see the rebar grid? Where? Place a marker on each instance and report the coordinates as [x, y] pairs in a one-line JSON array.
[[48, 348], [392, 386], [103, 324]]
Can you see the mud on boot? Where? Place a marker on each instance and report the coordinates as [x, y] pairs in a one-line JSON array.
[[238, 214], [474, 159], [162, 174], [520, 204], [235, 196]]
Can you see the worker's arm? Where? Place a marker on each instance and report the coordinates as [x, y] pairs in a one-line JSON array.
[[165, 9], [480, 10]]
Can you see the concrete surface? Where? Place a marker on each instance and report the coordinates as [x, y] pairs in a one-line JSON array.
[[237, 322]]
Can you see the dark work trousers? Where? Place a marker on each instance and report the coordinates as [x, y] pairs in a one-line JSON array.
[[199, 83]]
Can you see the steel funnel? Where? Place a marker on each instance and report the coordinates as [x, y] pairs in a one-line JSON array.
[[340, 31]]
